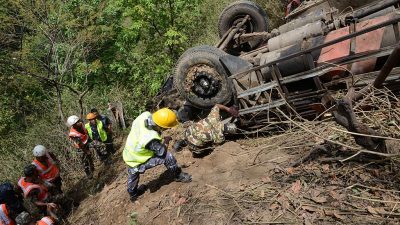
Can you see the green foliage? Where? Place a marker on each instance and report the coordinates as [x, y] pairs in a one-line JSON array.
[[122, 49]]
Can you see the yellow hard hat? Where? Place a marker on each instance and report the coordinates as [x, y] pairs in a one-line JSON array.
[[91, 116], [165, 118]]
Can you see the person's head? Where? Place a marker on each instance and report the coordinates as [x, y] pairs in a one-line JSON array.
[[30, 172], [74, 121], [162, 119], [92, 118], [24, 218], [95, 111], [39, 152]]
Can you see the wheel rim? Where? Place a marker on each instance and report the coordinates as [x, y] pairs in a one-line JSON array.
[[203, 81]]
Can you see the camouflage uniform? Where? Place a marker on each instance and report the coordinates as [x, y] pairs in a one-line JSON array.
[[207, 131]]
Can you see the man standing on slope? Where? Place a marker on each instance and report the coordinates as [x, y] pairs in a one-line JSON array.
[[97, 133], [107, 127], [79, 136], [144, 149], [46, 163]]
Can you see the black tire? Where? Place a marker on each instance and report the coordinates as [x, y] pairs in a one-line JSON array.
[[203, 48], [234, 13], [202, 63]]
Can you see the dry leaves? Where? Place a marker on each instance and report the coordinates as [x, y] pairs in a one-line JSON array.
[[296, 187]]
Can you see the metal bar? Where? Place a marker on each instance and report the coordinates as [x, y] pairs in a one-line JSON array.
[[278, 74], [373, 8], [396, 19], [311, 66], [258, 89], [223, 37], [366, 78], [343, 61], [352, 29], [396, 31], [274, 104], [254, 52], [233, 32], [392, 61], [296, 97]]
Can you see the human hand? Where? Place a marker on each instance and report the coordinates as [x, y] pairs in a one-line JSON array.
[[167, 139], [234, 111], [51, 206]]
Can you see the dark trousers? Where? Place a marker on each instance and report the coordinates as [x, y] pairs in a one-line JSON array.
[[57, 183], [134, 173], [109, 144], [87, 161]]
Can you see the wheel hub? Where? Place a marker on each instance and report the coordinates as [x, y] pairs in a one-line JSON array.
[[202, 80]]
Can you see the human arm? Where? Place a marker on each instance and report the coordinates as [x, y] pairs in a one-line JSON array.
[[54, 157], [80, 145], [109, 125], [231, 110], [33, 195], [160, 149]]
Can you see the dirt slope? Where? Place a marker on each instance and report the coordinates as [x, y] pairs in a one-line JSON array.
[[251, 182]]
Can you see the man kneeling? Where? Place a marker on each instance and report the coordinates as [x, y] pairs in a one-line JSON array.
[[204, 134]]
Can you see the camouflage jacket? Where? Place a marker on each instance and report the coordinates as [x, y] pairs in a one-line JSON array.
[[206, 131]]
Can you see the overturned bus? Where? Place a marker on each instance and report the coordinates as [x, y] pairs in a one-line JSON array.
[[319, 51]]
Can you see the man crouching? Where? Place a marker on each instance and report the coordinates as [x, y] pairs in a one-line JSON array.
[[144, 149]]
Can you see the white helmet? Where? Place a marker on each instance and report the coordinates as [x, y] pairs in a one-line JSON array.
[[72, 120], [39, 150]]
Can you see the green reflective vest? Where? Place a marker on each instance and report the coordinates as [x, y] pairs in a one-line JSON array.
[[135, 152], [102, 132]]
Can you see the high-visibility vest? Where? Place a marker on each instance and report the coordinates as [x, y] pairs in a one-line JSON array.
[[45, 221], [73, 133], [49, 172], [5, 218], [100, 129], [27, 187], [135, 152]]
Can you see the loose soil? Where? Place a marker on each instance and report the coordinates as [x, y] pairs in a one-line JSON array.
[[249, 181]]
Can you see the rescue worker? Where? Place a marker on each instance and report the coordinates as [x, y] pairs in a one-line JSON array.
[[107, 125], [12, 197], [34, 189], [47, 165], [202, 135], [79, 136], [6, 215], [97, 133], [25, 218], [144, 149]]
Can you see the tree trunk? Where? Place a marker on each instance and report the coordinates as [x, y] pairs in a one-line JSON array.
[[59, 104]]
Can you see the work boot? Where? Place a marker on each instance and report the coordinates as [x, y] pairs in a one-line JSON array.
[[139, 191], [183, 177]]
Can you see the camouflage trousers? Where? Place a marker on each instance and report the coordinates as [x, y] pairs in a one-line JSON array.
[[134, 172]]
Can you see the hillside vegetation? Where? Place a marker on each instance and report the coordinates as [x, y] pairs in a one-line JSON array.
[[55, 55]]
